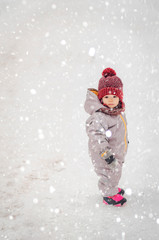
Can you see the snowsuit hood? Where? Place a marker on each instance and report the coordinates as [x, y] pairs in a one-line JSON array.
[[92, 103]]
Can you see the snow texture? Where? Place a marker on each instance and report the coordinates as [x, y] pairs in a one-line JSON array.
[[51, 51]]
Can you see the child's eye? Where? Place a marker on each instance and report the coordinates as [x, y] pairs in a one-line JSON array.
[[114, 96], [106, 96]]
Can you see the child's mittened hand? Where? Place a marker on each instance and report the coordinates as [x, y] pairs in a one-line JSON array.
[[110, 159]]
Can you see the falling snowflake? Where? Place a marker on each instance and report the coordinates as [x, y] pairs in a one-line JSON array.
[[63, 42], [33, 91], [35, 200], [85, 24], [92, 52], [53, 6], [128, 191], [56, 228], [108, 133], [40, 134], [47, 34], [22, 169], [42, 229], [57, 210], [118, 219], [52, 189], [11, 217]]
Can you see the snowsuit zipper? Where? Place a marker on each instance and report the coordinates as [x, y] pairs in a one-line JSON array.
[[125, 139]]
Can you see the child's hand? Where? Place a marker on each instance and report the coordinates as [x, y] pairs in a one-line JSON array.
[[110, 159], [108, 156]]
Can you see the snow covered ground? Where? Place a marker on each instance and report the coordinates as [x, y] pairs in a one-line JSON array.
[[50, 53]]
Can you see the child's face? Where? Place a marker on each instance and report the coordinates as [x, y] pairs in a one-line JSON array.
[[110, 100]]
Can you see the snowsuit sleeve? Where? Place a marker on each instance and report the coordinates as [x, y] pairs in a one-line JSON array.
[[96, 133]]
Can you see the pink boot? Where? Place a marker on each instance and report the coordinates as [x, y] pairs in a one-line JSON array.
[[116, 200], [121, 191]]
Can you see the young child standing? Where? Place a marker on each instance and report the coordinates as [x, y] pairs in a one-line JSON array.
[[107, 131]]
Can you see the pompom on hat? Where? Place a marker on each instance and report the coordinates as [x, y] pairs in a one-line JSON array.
[[110, 84]]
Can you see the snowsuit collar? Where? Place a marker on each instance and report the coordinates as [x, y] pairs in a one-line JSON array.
[[92, 104]]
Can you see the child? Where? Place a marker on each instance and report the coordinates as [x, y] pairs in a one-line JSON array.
[[107, 132]]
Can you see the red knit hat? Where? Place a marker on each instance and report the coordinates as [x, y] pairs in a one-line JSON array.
[[110, 84]]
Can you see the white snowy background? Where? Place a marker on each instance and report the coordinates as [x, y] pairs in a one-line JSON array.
[[51, 51]]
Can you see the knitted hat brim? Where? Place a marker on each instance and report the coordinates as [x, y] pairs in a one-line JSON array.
[[110, 91]]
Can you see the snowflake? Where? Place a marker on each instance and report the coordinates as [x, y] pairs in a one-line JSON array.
[[108, 133], [35, 200], [11, 217], [52, 189], [33, 91], [128, 191], [63, 42], [92, 52], [85, 24], [53, 6], [118, 219]]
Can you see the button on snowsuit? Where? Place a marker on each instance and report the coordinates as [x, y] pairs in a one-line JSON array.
[[107, 133]]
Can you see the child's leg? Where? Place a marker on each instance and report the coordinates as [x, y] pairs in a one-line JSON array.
[[108, 176], [109, 180]]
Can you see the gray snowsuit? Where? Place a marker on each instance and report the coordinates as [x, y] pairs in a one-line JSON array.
[[107, 134]]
